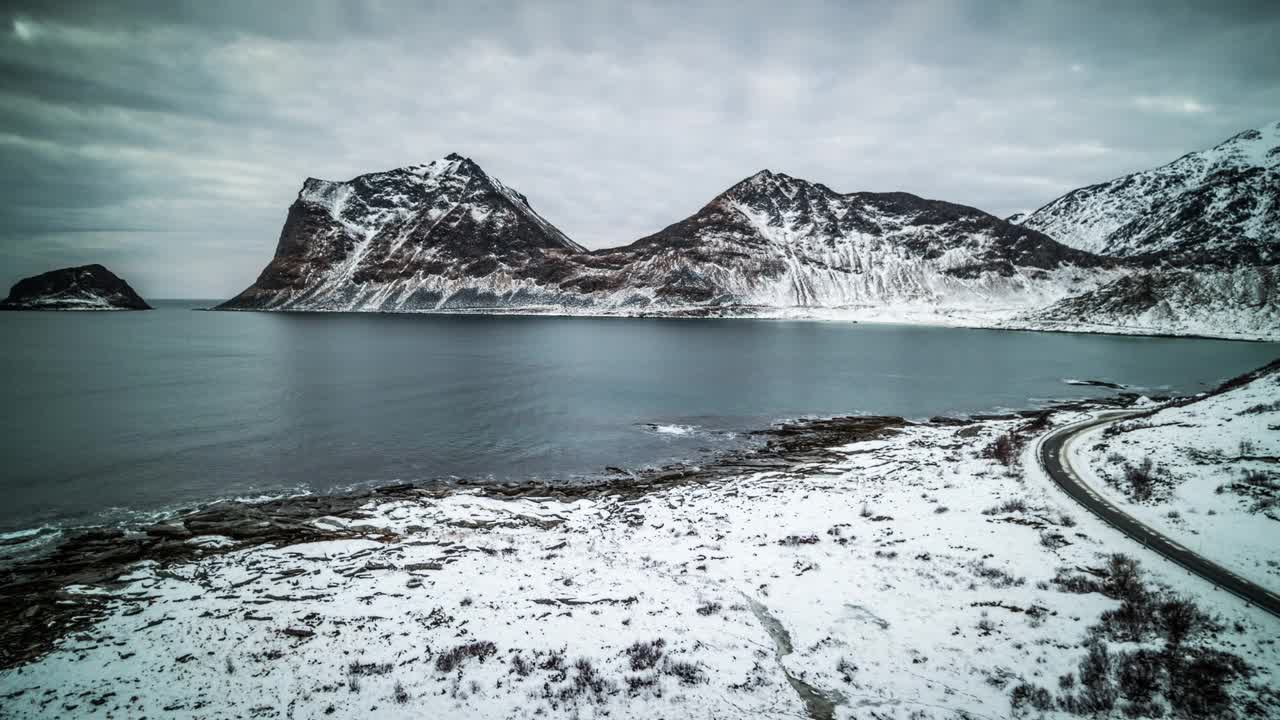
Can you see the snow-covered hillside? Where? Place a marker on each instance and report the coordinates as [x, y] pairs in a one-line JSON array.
[[904, 575], [1218, 206], [1241, 302], [778, 241], [1202, 472]]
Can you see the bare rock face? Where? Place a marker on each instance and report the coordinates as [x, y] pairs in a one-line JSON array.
[[88, 287], [405, 239]]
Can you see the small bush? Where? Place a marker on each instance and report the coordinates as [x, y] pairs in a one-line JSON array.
[[587, 680], [1026, 695], [1097, 694], [1141, 479], [400, 695], [1016, 505], [985, 626], [1198, 682], [709, 608], [1262, 408], [364, 669], [455, 658], [637, 683], [1004, 449], [687, 672], [520, 666], [1137, 674], [1179, 617], [799, 540], [1053, 540], [1123, 578], [554, 664], [997, 577], [645, 655], [1128, 623]]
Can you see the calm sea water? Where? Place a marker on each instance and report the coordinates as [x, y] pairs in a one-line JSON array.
[[111, 414]]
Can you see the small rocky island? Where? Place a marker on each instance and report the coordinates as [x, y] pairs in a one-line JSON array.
[[88, 287]]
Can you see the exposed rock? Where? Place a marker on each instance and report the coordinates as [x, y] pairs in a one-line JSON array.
[[88, 287], [446, 236]]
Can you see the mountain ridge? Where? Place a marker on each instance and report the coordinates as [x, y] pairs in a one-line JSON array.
[[1219, 206], [446, 236]]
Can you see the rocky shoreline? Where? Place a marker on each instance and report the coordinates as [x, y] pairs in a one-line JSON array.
[[36, 610], [844, 567]]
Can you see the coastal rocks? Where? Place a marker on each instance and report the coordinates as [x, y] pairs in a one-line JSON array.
[[88, 287]]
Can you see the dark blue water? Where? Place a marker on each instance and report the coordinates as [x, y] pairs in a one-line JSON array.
[[105, 414]]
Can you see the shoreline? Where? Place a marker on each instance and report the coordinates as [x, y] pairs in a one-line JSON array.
[[37, 612], [847, 563], [766, 313]]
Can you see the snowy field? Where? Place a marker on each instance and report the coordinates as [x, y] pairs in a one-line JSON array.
[[1212, 483], [910, 577]]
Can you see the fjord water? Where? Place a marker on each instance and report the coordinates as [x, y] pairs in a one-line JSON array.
[[110, 414]]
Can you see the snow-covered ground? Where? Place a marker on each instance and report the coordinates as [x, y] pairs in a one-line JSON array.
[[1214, 474], [908, 577]]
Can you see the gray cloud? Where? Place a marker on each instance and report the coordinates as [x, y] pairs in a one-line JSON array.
[[168, 138]]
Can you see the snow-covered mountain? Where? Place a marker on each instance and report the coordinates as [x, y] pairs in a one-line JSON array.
[[404, 239], [778, 241], [1203, 232], [1241, 302], [447, 236], [1184, 250], [87, 287], [1220, 207]]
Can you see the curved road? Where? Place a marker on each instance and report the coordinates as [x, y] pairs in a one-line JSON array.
[[1053, 457]]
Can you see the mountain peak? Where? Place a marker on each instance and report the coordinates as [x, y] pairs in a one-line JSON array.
[[1206, 207]]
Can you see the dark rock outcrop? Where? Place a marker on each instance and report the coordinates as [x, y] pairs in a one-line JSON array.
[[88, 287]]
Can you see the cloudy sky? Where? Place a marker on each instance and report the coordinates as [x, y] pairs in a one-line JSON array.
[[166, 139]]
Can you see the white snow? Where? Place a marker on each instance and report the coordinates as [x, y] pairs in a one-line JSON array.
[[1089, 218], [899, 596], [1199, 449]]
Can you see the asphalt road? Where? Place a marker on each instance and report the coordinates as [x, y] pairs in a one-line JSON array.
[[1053, 459]]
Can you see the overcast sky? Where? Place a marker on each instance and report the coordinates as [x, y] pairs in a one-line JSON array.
[[167, 139]]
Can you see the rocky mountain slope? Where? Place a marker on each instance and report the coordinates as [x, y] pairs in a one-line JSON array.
[[88, 287], [1204, 231], [1190, 247], [778, 241], [1220, 206], [402, 239], [1239, 302], [447, 236]]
